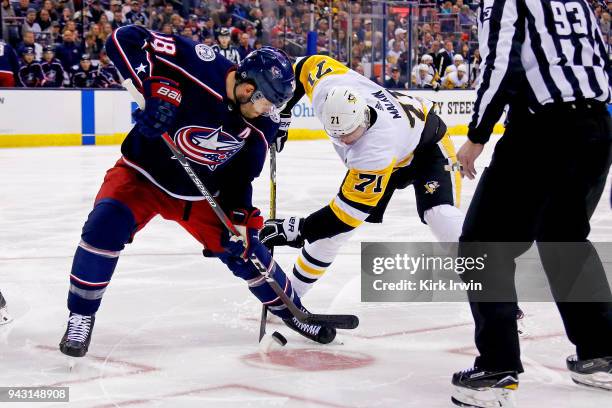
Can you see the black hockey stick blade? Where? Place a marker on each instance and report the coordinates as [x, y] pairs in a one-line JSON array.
[[346, 322]]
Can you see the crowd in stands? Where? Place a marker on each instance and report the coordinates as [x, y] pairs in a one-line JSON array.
[[60, 43]]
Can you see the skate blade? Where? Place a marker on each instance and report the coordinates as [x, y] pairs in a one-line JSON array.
[[489, 398], [600, 381], [71, 363]]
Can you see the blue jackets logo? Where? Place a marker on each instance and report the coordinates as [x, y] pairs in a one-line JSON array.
[[208, 146]]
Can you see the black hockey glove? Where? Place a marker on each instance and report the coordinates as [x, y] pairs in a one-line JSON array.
[[283, 131], [281, 232], [163, 98]]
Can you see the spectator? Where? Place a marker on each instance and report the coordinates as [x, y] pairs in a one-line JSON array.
[[115, 6], [163, 18], [456, 79], [177, 23], [269, 20], [66, 17], [30, 23], [359, 69], [466, 16], [244, 48], [84, 75], [56, 36], [6, 11], [97, 12], [29, 41], [91, 46], [446, 7], [117, 20], [107, 30], [256, 17], [135, 15], [394, 53], [72, 26], [50, 8], [604, 22], [400, 37], [30, 73], [21, 8], [82, 16], [55, 76], [208, 29], [395, 81], [167, 29], [358, 29], [44, 21], [68, 51]]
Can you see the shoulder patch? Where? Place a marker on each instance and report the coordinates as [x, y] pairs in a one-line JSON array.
[[204, 52]]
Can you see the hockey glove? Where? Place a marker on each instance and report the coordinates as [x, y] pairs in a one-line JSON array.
[[282, 232], [248, 223], [283, 131], [163, 98]]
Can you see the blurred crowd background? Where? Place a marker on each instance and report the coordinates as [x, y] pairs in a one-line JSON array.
[[399, 44]]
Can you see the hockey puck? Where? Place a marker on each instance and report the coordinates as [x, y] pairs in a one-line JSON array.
[[279, 338]]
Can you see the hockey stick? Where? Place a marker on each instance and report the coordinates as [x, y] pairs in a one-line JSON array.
[[264, 309], [337, 321]]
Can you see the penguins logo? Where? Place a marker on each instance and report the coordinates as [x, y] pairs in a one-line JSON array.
[[209, 146], [431, 187], [352, 99]]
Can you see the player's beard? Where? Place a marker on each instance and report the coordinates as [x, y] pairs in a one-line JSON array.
[[243, 102]]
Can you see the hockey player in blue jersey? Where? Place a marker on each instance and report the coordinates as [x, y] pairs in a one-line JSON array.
[[30, 73], [84, 75], [53, 69], [9, 65], [108, 75], [222, 118]]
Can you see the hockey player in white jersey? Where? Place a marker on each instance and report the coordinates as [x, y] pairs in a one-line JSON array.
[[457, 62], [457, 79], [387, 141]]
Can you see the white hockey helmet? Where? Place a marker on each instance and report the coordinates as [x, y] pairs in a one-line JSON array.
[[462, 68], [344, 110], [423, 67], [458, 58], [426, 58]]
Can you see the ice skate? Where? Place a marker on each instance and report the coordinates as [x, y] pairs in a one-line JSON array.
[[77, 337], [596, 373], [320, 334], [477, 388]]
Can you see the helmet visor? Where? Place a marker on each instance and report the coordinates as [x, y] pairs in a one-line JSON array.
[[263, 106]]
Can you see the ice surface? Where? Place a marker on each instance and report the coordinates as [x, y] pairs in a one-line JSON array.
[[178, 330]]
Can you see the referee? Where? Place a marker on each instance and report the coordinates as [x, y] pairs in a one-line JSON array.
[[546, 60]]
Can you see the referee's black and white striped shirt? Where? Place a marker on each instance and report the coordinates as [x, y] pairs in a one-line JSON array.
[[231, 53], [546, 51]]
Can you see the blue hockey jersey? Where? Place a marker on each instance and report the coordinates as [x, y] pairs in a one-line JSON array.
[[225, 150], [8, 59]]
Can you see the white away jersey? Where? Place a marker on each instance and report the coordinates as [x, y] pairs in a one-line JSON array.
[[388, 144]]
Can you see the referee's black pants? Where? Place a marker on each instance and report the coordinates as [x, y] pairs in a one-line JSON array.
[[545, 179]]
